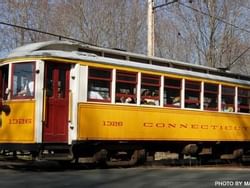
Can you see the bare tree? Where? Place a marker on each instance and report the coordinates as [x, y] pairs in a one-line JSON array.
[[212, 30], [29, 14], [209, 32], [110, 23]]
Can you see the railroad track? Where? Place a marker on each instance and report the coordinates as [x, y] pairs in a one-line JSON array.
[[159, 160]]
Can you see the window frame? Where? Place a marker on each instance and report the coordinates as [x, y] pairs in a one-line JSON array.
[[129, 74], [12, 96], [179, 88], [100, 79], [243, 106], [205, 91], [158, 85], [230, 105], [198, 90]]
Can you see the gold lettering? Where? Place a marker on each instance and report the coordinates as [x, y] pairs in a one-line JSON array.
[[237, 128], [160, 125], [183, 126], [20, 121], [170, 125], [204, 126], [214, 126], [148, 124], [228, 127], [113, 123], [193, 126], [245, 128]]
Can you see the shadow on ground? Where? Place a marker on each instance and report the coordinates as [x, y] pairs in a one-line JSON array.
[[39, 165]]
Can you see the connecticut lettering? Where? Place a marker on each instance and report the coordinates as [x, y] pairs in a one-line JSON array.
[[21, 121], [195, 126]]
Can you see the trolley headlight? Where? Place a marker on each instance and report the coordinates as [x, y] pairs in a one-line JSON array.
[[6, 109]]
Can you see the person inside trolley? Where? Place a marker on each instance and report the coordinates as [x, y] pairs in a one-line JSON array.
[[126, 98], [28, 87], [148, 97]]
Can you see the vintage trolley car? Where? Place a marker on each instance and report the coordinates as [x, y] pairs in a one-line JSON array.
[[62, 100]]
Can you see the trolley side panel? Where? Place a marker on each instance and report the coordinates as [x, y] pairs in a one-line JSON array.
[[18, 126], [120, 122]]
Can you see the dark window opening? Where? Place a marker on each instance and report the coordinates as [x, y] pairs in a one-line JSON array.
[[126, 83], [50, 82], [211, 92], [61, 90], [150, 87], [192, 94], [4, 76], [243, 100], [227, 99], [172, 92]]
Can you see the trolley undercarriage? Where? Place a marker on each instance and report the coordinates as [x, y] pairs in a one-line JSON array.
[[112, 154]]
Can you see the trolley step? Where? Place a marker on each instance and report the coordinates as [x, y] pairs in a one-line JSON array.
[[56, 152], [246, 158]]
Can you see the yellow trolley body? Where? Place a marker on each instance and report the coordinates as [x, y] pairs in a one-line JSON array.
[[90, 101]]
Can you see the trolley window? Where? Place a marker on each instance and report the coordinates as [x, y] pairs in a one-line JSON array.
[[211, 92], [172, 92], [1, 84], [150, 87], [126, 83], [243, 100], [23, 80], [4, 76], [99, 84], [192, 94], [227, 99]]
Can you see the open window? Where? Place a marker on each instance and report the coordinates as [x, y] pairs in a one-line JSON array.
[[99, 84], [192, 94], [211, 92], [172, 92], [243, 100], [126, 83], [227, 99], [23, 80], [150, 87]]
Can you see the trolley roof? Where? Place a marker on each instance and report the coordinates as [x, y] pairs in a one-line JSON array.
[[77, 51]]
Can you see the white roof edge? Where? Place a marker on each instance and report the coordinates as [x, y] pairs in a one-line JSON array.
[[124, 63], [29, 48], [74, 46], [68, 49]]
